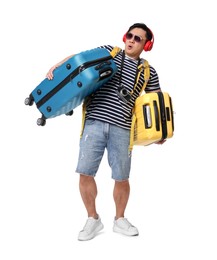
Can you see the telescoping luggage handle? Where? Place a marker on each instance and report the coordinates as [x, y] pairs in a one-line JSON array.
[[103, 73]]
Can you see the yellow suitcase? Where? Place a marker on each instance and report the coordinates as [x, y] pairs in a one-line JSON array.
[[152, 119]]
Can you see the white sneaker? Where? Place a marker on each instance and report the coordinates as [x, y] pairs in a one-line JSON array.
[[91, 228], [123, 226]]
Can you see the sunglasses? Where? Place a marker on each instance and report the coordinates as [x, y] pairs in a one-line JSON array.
[[135, 38]]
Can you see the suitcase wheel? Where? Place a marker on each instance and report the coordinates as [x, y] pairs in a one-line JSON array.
[[29, 101], [41, 121]]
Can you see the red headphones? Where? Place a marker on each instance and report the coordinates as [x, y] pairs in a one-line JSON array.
[[148, 45]]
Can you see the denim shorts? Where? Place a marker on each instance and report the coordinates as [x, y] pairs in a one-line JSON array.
[[97, 137]]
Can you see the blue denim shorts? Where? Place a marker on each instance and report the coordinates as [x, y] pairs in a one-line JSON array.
[[97, 137]]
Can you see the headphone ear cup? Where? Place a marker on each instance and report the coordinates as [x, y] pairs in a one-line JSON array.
[[148, 46], [124, 38]]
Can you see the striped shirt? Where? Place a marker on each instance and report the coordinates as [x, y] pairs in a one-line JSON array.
[[106, 103]]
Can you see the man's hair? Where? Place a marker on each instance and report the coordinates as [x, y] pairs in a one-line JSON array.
[[149, 34]]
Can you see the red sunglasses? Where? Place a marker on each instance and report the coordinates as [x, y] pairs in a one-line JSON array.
[[135, 38]]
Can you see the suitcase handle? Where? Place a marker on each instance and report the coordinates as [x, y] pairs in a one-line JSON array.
[[105, 73], [147, 116]]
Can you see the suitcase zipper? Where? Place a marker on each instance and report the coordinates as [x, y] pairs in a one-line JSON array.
[[71, 76]]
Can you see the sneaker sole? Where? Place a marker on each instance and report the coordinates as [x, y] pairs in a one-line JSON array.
[[123, 232], [92, 235]]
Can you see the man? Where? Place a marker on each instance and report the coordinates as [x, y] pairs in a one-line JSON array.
[[107, 126]]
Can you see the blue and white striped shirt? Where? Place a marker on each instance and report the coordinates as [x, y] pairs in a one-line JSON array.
[[106, 104]]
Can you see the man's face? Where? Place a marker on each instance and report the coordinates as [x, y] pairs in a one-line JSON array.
[[135, 41]]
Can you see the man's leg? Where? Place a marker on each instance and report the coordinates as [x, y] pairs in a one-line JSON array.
[[121, 195], [88, 191]]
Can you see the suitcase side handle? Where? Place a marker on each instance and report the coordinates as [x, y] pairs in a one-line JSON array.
[[147, 116], [105, 73]]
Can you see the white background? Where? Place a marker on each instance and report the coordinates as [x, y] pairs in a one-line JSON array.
[[173, 187]]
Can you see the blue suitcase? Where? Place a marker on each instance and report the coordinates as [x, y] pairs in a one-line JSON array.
[[74, 80]]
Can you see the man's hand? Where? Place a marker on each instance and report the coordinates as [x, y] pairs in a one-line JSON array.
[[49, 75]]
